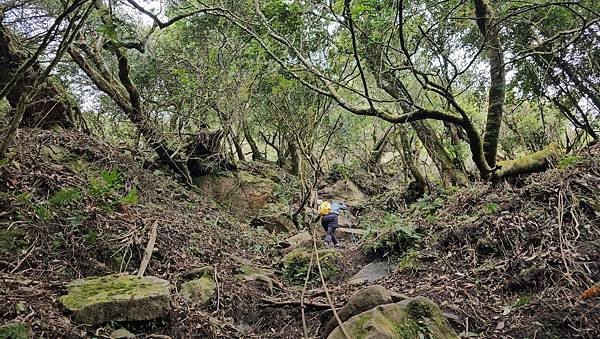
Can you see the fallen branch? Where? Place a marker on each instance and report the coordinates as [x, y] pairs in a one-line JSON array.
[[149, 250], [313, 304]]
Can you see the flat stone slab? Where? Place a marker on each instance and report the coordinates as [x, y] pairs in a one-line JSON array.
[[372, 272], [117, 297]]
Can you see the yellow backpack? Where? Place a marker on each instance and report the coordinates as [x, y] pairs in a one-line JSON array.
[[324, 208]]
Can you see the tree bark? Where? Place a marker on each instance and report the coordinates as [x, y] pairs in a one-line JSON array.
[[256, 154], [420, 183], [379, 148], [235, 139], [489, 28], [51, 104]]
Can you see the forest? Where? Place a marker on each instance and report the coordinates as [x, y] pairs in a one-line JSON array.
[[184, 168]]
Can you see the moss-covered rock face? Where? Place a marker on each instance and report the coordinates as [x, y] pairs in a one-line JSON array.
[[117, 297], [412, 318], [198, 290]]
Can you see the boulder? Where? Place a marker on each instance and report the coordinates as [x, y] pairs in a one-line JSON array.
[[243, 193], [121, 334], [372, 272], [117, 297], [274, 223], [302, 239], [257, 275], [350, 234], [294, 265], [198, 290], [344, 191], [198, 273], [361, 301], [412, 318]]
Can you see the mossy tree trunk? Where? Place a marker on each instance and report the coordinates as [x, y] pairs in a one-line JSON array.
[[490, 30]]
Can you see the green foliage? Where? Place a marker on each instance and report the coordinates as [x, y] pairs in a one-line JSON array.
[[569, 160], [296, 267], [521, 301], [65, 197], [90, 237], [110, 180], [130, 198], [491, 208], [393, 237], [108, 189], [409, 261], [14, 331], [340, 171]]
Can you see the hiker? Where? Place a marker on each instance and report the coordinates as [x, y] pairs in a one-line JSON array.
[[329, 213]]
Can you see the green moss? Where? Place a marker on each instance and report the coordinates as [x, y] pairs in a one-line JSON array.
[[198, 290], [569, 160], [14, 331], [295, 266], [112, 287]]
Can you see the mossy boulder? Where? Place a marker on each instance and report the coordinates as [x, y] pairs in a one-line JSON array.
[[198, 290], [295, 265], [411, 318], [361, 301], [117, 297], [242, 193]]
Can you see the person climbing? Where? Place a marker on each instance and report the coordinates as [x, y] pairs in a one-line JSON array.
[[329, 214]]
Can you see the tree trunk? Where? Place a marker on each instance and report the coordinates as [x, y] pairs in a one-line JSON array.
[[489, 28], [535, 162], [449, 173], [256, 154], [50, 105], [420, 183], [235, 139], [395, 88], [294, 157], [379, 148]]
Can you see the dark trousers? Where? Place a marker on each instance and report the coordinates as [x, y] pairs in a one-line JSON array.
[[330, 223]]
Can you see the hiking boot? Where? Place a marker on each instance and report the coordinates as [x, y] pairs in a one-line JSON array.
[[337, 245]]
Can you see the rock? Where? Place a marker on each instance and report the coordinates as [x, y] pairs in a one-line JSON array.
[[361, 301], [14, 331], [198, 290], [346, 234], [372, 272], [243, 193], [274, 223], [295, 265], [121, 334], [412, 318], [302, 239], [259, 275], [117, 297], [344, 191], [198, 272]]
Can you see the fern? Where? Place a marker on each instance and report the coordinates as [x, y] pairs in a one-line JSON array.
[[130, 198]]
